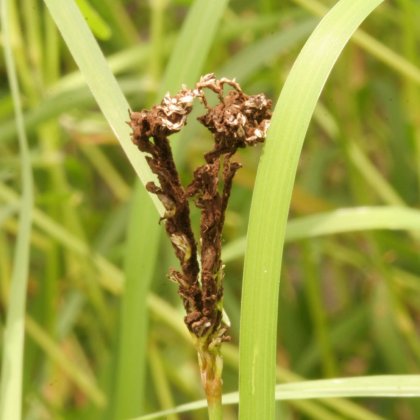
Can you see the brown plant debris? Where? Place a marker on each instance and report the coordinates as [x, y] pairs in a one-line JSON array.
[[238, 120]]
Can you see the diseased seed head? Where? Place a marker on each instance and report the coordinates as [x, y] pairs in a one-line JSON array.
[[237, 120], [162, 120]]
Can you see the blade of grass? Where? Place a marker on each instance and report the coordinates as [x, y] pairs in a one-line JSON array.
[[14, 333], [373, 175], [339, 221], [117, 15], [271, 201], [354, 219], [19, 53], [98, 26], [127, 396], [369, 386]]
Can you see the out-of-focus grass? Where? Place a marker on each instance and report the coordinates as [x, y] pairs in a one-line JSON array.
[[349, 303], [14, 330]]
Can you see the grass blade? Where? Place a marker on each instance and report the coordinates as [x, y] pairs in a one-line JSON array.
[[339, 221], [14, 333], [271, 201], [369, 386], [140, 258]]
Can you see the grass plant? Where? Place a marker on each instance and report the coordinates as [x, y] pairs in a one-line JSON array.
[[91, 326]]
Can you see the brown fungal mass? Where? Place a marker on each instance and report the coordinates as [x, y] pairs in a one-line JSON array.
[[238, 120]]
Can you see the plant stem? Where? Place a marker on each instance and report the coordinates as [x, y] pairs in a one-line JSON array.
[[215, 410], [211, 366]]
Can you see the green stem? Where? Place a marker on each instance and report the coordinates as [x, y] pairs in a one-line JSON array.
[[211, 366], [215, 410]]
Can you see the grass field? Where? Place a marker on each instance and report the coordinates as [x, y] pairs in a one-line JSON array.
[[322, 232]]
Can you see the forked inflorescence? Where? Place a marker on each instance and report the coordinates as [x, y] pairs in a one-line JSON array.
[[238, 120]]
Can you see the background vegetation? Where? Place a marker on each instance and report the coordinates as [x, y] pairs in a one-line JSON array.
[[104, 336]]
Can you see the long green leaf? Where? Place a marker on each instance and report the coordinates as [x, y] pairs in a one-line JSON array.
[[271, 201], [14, 333], [140, 258], [369, 386], [339, 221]]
